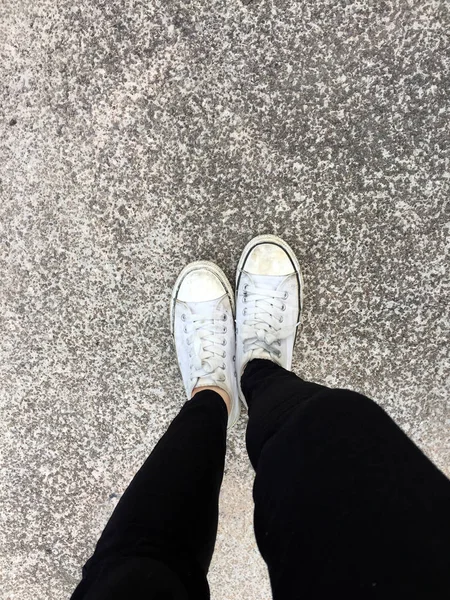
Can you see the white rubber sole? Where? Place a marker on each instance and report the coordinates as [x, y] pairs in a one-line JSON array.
[[234, 415]]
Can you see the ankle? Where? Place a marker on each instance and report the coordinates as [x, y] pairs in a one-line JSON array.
[[222, 393]]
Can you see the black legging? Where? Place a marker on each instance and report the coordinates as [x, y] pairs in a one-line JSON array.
[[345, 504]]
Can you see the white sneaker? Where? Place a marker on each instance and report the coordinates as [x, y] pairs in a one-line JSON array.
[[269, 290], [202, 323]]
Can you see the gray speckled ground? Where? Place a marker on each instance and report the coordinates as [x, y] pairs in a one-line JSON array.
[[136, 136]]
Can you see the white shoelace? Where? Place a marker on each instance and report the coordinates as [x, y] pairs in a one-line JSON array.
[[207, 341], [263, 327]]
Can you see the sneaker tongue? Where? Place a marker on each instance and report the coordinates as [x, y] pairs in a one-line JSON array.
[[206, 382], [269, 282], [260, 353], [209, 382]]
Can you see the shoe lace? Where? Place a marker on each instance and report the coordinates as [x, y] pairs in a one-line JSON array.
[[262, 327], [206, 337]]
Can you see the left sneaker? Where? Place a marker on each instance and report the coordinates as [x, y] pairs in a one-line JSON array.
[[202, 323]]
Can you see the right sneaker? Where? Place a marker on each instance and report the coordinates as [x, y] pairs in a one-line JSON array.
[[269, 292]]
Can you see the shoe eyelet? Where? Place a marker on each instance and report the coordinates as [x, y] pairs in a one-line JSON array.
[[224, 366], [224, 355], [185, 330], [286, 295], [224, 318], [234, 359], [245, 286], [244, 312], [224, 330], [224, 342], [281, 319], [183, 317], [283, 307]]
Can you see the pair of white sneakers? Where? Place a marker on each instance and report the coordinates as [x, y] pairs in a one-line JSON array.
[[211, 351]]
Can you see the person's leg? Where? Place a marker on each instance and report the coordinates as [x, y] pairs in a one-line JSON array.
[[167, 518], [345, 504], [160, 539], [344, 501]]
